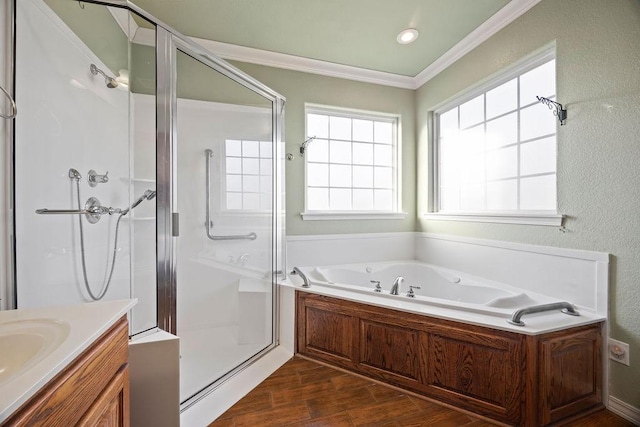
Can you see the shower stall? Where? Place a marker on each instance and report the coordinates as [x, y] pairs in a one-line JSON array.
[[146, 167]]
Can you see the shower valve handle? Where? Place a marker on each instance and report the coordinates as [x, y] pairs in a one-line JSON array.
[[95, 179]]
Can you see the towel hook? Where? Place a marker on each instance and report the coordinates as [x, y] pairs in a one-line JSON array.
[[14, 109]]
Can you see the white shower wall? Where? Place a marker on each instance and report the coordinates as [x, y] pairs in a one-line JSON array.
[[202, 125], [68, 119]]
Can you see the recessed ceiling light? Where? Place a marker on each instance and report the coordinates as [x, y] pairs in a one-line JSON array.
[[407, 36]]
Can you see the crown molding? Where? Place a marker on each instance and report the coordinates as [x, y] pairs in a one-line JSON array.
[[306, 65], [509, 13]]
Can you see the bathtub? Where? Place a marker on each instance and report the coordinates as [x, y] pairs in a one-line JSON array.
[[441, 293]]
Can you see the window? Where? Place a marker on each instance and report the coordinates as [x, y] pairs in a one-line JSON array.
[[351, 165], [248, 175], [495, 150]]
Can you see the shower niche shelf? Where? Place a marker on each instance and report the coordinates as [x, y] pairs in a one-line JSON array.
[[141, 218], [138, 180]]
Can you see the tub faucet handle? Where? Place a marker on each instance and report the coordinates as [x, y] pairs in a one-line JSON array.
[[378, 288], [410, 293]]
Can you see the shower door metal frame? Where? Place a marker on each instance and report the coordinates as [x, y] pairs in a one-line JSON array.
[[168, 44]]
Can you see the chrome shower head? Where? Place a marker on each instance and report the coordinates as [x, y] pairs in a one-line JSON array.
[[74, 174], [147, 195], [109, 81]]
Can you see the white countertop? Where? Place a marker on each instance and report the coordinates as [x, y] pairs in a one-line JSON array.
[[86, 323]]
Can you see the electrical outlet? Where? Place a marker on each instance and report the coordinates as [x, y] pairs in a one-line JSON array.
[[619, 351]]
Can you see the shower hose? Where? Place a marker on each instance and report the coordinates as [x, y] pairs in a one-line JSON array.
[[105, 286]]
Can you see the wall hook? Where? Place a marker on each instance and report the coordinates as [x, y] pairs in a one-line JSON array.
[[558, 110], [304, 145]]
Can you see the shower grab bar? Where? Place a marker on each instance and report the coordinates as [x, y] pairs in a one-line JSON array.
[[251, 236], [566, 307], [64, 211], [14, 109]]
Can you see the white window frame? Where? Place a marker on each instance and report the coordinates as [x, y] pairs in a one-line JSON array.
[[530, 217], [225, 210], [396, 212]]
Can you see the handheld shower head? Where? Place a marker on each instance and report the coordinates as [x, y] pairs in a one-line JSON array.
[[147, 195], [109, 81]]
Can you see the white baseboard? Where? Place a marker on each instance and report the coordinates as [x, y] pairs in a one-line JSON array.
[[623, 409]]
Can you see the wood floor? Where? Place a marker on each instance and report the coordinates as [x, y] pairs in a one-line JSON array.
[[304, 393]]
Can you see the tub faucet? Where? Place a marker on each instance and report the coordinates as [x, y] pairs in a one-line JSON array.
[[395, 289], [305, 280]]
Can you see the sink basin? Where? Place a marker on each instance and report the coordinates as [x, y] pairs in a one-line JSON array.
[[24, 343]]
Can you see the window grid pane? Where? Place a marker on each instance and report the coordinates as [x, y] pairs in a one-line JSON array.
[[499, 154], [248, 175], [354, 170]]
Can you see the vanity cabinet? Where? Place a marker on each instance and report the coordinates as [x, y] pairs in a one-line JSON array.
[[504, 376], [92, 391]]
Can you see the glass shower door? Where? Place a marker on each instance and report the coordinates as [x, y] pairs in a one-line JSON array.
[[223, 188]]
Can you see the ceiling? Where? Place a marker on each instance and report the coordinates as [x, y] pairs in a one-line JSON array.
[[357, 33]]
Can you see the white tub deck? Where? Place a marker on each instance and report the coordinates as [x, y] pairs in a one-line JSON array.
[[444, 294]]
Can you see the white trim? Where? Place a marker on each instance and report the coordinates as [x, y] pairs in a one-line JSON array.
[[305, 65], [328, 216], [351, 113], [522, 247], [509, 13], [554, 220], [355, 236], [122, 18], [623, 409], [251, 55]]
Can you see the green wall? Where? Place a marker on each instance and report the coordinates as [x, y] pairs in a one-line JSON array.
[[598, 79], [299, 88], [95, 26]]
